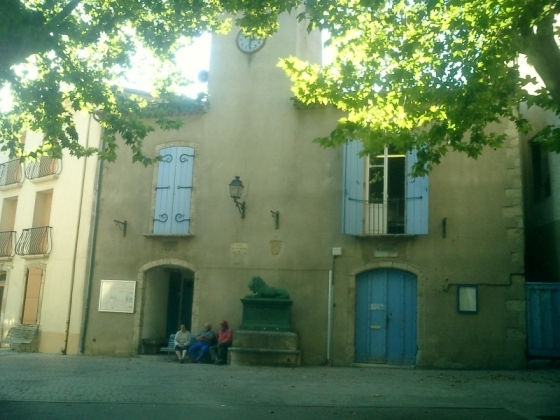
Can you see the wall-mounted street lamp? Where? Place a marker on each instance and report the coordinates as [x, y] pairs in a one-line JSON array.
[[235, 191]]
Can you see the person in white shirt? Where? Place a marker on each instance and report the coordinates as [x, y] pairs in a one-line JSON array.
[[182, 339]]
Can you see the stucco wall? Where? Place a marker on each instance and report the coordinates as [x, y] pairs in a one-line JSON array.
[[61, 299]]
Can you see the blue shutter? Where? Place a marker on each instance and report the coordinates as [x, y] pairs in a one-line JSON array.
[[164, 191], [416, 200], [353, 189], [180, 222]]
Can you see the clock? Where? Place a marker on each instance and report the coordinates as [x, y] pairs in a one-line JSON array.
[[248, 44]]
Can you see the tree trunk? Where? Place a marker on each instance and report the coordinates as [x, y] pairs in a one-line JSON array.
[[543, 53]]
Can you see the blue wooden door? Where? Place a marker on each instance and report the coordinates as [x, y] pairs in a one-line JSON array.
[[386, 317], [543, 319]]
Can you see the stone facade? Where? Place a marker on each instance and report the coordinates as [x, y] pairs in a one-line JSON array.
[[252, 130]]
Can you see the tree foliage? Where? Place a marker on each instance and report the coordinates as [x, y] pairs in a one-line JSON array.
[[63, 56], [430, 74]]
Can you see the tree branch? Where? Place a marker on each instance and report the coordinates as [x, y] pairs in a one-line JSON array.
[[63, 14], [543, 53]]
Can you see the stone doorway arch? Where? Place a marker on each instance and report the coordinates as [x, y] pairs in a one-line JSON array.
[[141, 295]]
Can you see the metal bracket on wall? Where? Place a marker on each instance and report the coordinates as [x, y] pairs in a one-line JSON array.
[[276, 217], [122, 226]]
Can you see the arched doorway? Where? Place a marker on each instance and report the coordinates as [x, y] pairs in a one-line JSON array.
[[165, 298], [386, 317], [168, 301]]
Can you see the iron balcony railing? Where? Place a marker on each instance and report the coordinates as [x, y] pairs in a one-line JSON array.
[[384, 217], [7, 242], [35, 241], [11, 173], [42, 167]]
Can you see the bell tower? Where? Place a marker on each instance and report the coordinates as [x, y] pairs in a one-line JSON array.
[[244, 71]]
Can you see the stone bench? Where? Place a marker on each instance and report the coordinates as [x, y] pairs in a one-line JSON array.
[[20, 334], [170, 349], [265, 348], [246, 356]]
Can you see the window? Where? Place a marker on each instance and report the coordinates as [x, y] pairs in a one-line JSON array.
[[7, 222], [32, 296], [42, 213], [173, 191], [37, 239], [541, 172], [379, 195], [8, 218], [41, 219]]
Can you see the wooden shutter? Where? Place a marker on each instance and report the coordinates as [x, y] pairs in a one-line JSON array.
[[416, 200], [32, 294], [164, 191], [181, 210], [173, 191], [353, 189]]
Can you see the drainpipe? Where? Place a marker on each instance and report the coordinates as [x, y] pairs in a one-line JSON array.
[[76, 239], [330, 297], [329, 317], [91, 253]]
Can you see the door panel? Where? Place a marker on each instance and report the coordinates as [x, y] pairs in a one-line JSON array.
[[386, 317]]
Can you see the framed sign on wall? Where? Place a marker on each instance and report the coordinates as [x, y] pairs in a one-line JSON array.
[[117, 296], [467, 298]]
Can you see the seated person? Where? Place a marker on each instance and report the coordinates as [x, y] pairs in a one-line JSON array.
[[219, 351], [204, 340], [182, 339]]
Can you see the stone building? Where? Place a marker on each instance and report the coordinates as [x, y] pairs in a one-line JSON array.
[[381, 267], [542, 201]]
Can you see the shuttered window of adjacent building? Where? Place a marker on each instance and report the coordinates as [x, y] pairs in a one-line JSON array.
[[32, 296], [379, 195], [173, 191]]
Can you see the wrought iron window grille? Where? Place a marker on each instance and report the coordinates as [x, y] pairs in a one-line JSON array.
[[385, 217], [42, 167], [7, 243], [35, 241], [11, 173]]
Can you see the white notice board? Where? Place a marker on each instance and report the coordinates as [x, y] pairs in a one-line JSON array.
[[117, 296]]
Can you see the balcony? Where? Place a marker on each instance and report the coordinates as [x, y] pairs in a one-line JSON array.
[[7, 241], [35, 241], [43, 167], [385, 217], [11, 173]]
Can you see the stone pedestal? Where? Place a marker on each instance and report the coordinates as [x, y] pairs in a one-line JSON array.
[[266, 314], [265, 348], [265, 337]]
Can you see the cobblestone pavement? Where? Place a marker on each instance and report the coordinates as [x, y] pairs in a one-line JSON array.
[[33, 377]]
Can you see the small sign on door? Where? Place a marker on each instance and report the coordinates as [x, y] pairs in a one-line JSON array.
[[377, 307]]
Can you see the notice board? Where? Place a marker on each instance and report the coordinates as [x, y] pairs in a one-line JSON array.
[[117, 296]]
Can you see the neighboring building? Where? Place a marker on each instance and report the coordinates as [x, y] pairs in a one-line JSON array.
[[45, 219], [542, 201], [427, 272]]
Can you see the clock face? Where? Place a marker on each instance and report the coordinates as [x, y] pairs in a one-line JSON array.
[[247, 44]]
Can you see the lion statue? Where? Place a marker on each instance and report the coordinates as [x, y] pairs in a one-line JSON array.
[[261, 290]]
